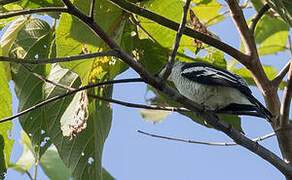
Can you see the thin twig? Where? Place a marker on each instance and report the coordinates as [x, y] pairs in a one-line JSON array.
[[55, 98], [285, 106], [35, 169], [203, 142], [61, 59], [255, 20], [179, 33], [279, 78], [32, 11], [28, 174], [47, 80], [91, 12]]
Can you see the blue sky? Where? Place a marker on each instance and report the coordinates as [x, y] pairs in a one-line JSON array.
[[129, 155]]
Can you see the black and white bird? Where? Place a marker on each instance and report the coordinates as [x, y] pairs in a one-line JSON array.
[[214, 88]]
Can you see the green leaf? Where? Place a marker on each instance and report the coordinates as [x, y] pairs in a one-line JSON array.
[[6, 9], [215, 57], [164, 36], [29, 4], [10, 35], [208, 11], [283, 8], [32, 41], [26, 160], [83, 154], [154, 116], [73, 35], [271, 35], [53, 166], [270, 71], [5, 128]]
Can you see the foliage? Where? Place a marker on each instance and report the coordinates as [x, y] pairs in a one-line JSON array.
[[78, 125]]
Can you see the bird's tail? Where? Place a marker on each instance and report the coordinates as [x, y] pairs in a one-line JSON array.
[[261, 108]]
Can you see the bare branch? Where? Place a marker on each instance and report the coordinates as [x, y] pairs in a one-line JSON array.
[[177, 40], [31, 11], [61, 59], [285, 106], [91, 12], [47, 101], [279, 78], [208, 116], [255, 20], [203, 142]]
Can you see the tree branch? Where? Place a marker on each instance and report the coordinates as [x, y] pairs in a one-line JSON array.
[[255, 20], [62, 59], [133, 8], [279, 78], [203, 142], [55, 98], [32, 11], [208, 116], [285, 106], [241, 25], [179, 33], [91, 12]]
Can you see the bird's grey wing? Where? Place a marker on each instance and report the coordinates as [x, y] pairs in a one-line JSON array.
[[211, 75]]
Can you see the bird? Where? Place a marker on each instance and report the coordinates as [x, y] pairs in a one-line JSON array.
[[214, 88]]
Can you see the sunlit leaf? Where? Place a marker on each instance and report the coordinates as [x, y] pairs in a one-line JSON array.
[[8, 8], [271, 35], [208, 11], [154, 116], [26, 159], [5, 128]]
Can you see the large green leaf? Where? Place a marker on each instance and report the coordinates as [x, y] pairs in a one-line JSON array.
[[271, 35], [83, 154], [283, 8], [53, 166], [5, 128], [32, 41], [73, 35]]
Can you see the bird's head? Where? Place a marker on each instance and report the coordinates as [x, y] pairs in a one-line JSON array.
[[176, 67]]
